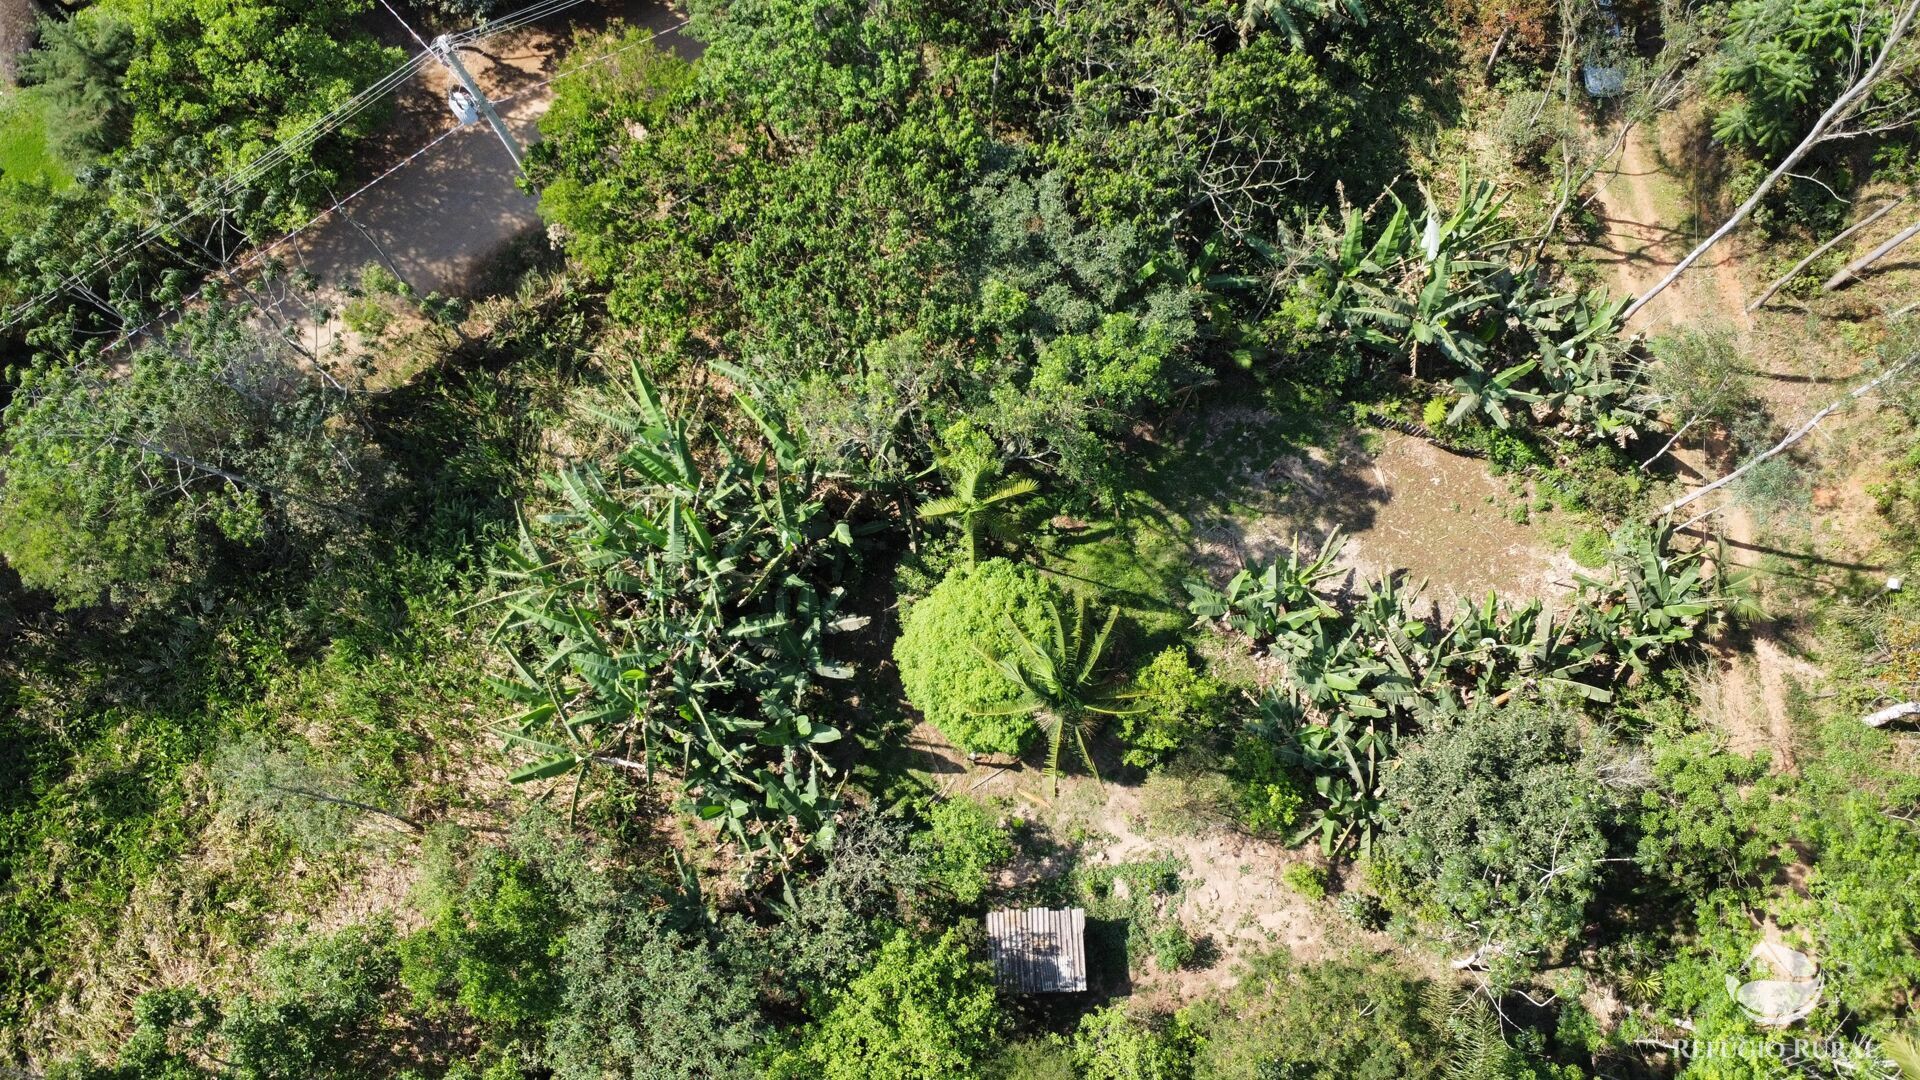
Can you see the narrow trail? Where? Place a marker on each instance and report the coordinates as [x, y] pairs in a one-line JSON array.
[[1751, 695]]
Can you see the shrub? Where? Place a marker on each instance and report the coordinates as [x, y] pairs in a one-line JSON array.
[[1173, 948], [1590, 549], [1306, 879], [1269, 796], [925, 1008], [946, 645], [492, 943], [962, 843], [1113, 1044], [1178, 704], [1363, 910], [1500, 827]]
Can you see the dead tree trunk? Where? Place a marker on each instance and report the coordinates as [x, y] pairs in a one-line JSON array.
[[1849, 271], [1827, 127], [1822, 250], [1795, 436]]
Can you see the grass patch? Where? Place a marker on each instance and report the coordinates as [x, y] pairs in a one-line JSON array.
[[26, 155]]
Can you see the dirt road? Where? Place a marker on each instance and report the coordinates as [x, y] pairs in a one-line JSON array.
[[1642, 205], [438, 218]]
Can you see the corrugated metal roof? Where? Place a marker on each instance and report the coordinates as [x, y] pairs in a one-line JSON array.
[[1039, 950]]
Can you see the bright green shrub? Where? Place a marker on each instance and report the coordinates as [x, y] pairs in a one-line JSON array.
[[1306, 879], [924, 1009], [1590, 549], [1179, 707], [962, 844], [1269, 797], [492, 944], [1113, 1044], [1173, 948], [945, 648]]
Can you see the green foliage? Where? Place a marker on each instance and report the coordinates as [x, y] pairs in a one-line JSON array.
[[1590, 549], [1112, 1043], [1060, 682], [216, 444], [962, 844], [1358, 1018], [240, 76], [495, 934], [1306, 880], [646, 999], [322, 1001], [1861, 910], [1174, 707], [79, 64], [924, 1008], [1500, 828], [1783, 62], [1269, 798], [673, 616], [969, 460], [947, 647], [1711, 818], [1172, 947]]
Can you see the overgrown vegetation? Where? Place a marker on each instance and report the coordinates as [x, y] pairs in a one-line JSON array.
[[862, 510]]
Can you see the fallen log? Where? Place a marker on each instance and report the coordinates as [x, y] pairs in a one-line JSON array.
[[1891, 713], [1822, 250], [1849, 271]]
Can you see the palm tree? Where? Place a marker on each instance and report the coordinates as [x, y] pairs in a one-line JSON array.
[[1059, 682], [971, 511]]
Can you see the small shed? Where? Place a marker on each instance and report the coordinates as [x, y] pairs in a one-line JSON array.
[[1039, 950]]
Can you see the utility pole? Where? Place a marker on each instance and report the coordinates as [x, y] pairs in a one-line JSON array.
[[450, 56]]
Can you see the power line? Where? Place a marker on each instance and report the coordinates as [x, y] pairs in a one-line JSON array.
[[246, 174], [261, 254], [531, 13]]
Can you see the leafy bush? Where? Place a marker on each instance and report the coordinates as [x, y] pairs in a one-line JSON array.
[[924, 1008], [1306, 879], [1362, 909], [645, 998], [217, 443], [1173, 948], [1112, 1043], [678, 610], [1590, 549], [947, 643], [1269, 796], [492, 943], [963, 842], [1499, 824], [1178, 706]]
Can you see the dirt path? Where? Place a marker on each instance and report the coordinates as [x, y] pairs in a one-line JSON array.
[[1640, 201], [437, 220]]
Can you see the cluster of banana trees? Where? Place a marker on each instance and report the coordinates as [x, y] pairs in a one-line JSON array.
[[1448, 295], [670, 616], [1364, 674]]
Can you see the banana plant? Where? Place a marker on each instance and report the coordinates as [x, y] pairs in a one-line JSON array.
[[669, 618], [1491, 394], [1268, 603], [1060, 684]]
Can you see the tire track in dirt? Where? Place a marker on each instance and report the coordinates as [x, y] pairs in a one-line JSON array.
[[1752, 694]]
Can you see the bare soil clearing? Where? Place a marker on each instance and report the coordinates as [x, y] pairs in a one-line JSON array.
[[1232, 893], [1406, 507]]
